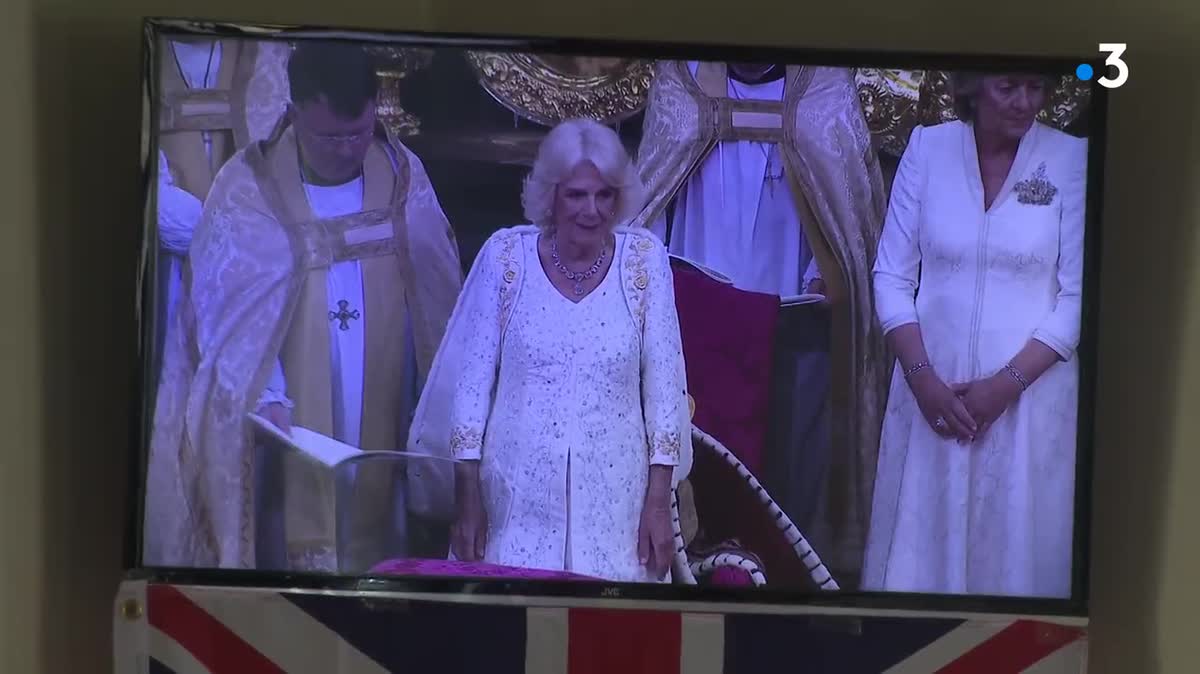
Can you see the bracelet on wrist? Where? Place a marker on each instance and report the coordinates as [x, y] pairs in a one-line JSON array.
[[1016, 375], [915, 368]]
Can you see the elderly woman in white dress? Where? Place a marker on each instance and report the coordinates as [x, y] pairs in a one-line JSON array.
[[977, 285], [569, 414]]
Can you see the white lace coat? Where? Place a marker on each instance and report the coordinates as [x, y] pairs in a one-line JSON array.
[[568, 404], [994, 517]]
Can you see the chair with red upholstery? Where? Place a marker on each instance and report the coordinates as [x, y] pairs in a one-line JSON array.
[[734, 532]]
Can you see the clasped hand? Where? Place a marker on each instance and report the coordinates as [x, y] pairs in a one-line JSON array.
[[963, 411]]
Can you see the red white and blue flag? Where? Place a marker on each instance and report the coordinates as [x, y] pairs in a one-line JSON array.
[[169, 629]]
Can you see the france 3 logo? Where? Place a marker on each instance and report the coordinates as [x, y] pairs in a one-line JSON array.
[[1115, 51]]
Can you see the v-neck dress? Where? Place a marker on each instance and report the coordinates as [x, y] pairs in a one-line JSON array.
[[565, 457], [995, 516]]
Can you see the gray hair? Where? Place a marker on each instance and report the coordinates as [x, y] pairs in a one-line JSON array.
[[964, 89], [566, 146]]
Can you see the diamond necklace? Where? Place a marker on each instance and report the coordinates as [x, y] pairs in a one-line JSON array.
[[578, 277]]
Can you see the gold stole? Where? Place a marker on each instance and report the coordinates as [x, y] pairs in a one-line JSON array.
[[767, 121], [184, 113], [859, 373], [735, 118], [370, 237], [373, 237]]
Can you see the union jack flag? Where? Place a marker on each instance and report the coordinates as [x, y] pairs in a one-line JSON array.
[[173, 629]]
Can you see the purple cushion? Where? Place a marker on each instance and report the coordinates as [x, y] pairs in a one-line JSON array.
[[452, 568], [729, 576]]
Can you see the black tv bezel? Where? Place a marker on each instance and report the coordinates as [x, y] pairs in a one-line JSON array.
[[772, 600]]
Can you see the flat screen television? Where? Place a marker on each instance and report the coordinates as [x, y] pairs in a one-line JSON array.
[[763, 328]]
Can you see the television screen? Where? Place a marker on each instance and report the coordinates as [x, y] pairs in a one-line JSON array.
[[618, 319]]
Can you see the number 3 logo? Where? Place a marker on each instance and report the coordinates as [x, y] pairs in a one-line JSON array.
[[1114, 51]]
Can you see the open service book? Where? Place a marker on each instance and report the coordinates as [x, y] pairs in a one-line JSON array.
[[327, 451], [794, 300]]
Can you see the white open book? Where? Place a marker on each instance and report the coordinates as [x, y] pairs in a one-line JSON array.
[[326, 450], [806, 298]]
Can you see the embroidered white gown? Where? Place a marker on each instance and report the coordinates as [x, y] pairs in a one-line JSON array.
[[994, 517], [572, 401]]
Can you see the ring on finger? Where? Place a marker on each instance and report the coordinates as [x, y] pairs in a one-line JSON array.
[[939, 424]]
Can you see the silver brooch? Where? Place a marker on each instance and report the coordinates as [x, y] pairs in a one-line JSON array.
[[1036, 190]]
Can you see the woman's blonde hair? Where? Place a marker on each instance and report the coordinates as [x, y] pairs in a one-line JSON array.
[[568, 145]]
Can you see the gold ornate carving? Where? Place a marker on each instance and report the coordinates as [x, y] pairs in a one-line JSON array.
[[889, 99], [1067, 102], [397, 63], [937, 103], [550, 88], [894, 101]]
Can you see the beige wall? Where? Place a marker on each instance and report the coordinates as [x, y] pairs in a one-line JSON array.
[[69, 120]]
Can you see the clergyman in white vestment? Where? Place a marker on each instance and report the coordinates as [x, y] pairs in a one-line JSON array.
[[736, 214], [766, 175], [197, 139], [332, 333]]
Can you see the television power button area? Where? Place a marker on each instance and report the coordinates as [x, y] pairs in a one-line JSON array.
[[1118, 69]]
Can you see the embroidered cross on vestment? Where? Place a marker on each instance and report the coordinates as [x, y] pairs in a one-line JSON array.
[[343, 314]]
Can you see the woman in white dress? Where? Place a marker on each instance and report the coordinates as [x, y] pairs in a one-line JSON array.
[[977, 285], [569, 413]]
